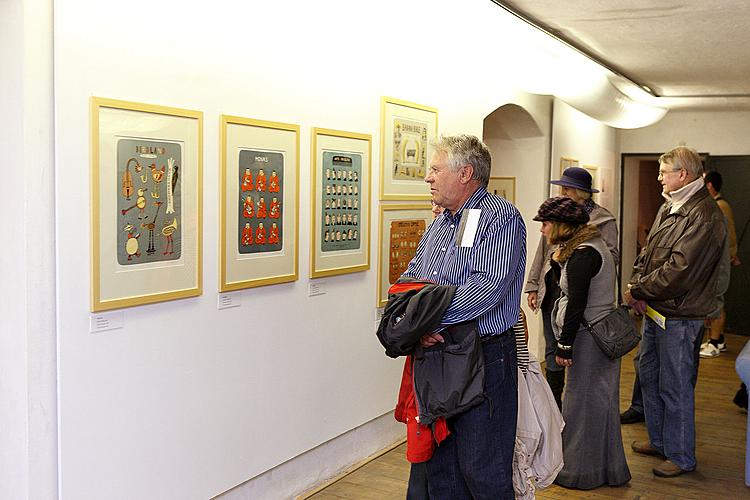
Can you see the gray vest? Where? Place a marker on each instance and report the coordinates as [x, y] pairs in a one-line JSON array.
[[601, 300]]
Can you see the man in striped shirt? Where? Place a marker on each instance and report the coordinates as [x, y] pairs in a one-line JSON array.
[[477, 244]]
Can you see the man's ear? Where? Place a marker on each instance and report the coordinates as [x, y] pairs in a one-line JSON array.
[[467, 172]]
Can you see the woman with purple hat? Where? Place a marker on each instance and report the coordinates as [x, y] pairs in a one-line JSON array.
[[541, 287], [583, 265]]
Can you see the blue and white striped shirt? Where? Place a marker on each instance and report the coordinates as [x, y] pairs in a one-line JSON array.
[[488, 275]]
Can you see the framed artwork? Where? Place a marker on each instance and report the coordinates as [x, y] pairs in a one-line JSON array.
[[146, 193], [406, 132], [401, 228], [567, 162], [503, 186], [259, 203], [340, 214]]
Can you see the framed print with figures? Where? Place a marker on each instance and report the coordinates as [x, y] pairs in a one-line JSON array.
[[340, 202], [259, 203]]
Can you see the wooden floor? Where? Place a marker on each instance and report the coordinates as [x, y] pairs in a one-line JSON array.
[[720, 429]]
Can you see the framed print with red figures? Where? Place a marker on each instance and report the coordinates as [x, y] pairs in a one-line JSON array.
[[259, 203], [400, 229], [406, 134], [340, 215], [146, 183]]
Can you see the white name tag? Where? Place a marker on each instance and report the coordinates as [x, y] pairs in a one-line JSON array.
[[469, 226]]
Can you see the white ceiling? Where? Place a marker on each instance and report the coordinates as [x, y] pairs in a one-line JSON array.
[[690, 53]]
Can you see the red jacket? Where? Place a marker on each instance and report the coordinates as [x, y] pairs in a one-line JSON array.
[[419, 438]]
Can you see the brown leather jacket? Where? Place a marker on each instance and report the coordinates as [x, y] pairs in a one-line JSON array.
[[675, 272]]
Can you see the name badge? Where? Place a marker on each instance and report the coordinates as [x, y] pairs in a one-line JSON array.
[[467, 230]]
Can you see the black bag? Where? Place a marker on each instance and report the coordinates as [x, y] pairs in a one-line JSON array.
[[615, 334]]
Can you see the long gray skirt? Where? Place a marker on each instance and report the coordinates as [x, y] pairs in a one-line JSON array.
[[592, 442]]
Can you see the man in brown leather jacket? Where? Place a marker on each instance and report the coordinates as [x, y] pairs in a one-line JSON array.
[[674, 275]]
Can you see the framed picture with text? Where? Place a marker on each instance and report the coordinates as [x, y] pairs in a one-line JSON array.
[[259, 203], [400, 229], [340, 202], [406, 133], [146, 192]]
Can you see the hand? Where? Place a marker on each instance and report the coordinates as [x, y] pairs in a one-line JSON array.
[[531, 299], [735, 261], [639, 306], [563, 361], [431, 339]]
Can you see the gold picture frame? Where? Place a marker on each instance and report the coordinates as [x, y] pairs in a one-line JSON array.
[[146, 191], [567, 162], [340, 202], [259, 203], [400, 229], [503, 186], [407, 130]]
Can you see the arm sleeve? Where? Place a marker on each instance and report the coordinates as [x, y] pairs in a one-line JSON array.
[[532, 284], [702, 239], [582, 267], [495, 264], [609, 235]]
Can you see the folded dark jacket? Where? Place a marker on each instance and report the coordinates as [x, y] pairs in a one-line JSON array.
[[414, 308]]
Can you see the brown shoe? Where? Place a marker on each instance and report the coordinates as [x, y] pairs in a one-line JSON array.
[[668, 469], [645, 448]]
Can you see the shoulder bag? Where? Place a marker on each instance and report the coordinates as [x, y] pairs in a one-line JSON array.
[[615, 334]]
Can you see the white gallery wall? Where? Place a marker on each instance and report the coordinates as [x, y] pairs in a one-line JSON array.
[[714, 132], [188, 401]]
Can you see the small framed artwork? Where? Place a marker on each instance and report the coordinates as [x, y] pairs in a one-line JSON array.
[[146, 192], [503, 186], [400, 229], [406, 132], [259, 203], [340, 212], [567, 162]]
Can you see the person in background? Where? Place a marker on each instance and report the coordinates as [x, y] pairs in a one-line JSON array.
[[478, 244], [542, 289], [592, 443], [715, 343], [674, 283]]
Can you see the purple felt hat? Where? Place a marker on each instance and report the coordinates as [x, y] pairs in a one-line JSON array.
[[577, 178]]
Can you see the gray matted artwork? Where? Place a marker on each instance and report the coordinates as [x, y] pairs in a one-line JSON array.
[[260, 221], [409, 150], [340, 200], [149, 201]]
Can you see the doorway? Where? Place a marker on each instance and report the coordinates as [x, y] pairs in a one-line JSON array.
[[735, 173]]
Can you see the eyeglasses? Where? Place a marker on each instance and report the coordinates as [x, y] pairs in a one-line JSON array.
[[662, 173]]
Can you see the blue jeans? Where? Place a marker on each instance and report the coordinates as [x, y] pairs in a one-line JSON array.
[[476, 460], [668, 373], [636, 402]]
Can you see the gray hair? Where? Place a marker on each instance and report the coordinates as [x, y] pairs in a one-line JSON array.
[[463, 150], [684, 157]]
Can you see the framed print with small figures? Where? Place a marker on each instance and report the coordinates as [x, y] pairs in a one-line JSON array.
[[259, 203], [340, 202]]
